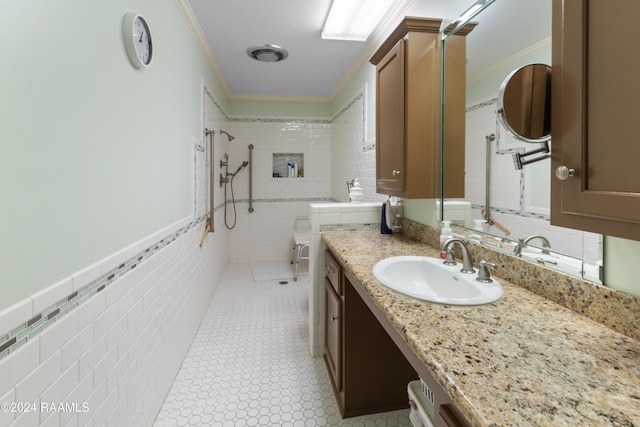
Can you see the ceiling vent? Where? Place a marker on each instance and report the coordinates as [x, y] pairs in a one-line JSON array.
[[267, 53]]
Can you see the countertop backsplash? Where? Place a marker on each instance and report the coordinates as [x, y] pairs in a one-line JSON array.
[[614, 309]]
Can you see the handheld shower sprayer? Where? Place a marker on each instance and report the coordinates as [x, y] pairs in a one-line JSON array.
[[243, 165], [224, 177]]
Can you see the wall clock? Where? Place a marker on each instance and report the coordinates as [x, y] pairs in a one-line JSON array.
[[137, 40]]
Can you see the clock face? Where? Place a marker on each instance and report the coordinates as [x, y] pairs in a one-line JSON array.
[[142, 40], [137, 40]]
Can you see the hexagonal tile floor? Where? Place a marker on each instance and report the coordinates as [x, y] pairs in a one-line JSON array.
[[249, 364]]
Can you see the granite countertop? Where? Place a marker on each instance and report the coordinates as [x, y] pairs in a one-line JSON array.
[[522, 360]]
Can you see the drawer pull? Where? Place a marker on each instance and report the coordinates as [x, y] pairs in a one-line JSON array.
[[334, 318], [330, 270]]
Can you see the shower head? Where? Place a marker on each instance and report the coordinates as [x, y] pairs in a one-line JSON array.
[[229, 136]]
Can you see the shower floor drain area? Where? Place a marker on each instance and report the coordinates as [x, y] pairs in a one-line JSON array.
[[270, 271]]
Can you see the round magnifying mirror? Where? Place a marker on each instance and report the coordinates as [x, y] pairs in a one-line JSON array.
[[524, 103]]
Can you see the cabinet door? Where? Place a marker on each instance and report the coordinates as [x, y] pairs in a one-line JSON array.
[[596, 100], [333, 336], [390, 114], [332, 270]]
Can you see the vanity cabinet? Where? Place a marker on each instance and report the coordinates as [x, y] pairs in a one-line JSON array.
[[595, 105], [333, 322], [368, 373], [370, 364], [408, 114]]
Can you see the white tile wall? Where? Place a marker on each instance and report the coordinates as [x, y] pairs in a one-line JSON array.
[[333, 152], [12, 316], [121, 348], [266, 234], [323, 216], [353, 155], [505, 180], [353, 152]]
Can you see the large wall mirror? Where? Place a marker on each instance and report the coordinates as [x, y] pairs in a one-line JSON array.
[[506, 207]]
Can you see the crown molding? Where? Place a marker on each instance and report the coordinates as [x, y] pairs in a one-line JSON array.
[[192, 23]]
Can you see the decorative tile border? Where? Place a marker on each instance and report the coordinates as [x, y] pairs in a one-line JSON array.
[[521, 213], [359, 97], [37, 324], [286, 200]]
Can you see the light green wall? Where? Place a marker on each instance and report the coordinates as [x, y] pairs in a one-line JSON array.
[[620, 258], [481, 88], [95, 154], [270, 108]]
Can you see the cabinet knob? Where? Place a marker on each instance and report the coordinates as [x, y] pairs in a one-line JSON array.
[[334, 318], [395, 173], [564, 172]]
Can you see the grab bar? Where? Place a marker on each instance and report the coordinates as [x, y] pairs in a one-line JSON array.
[[250, 179], [209, 133], [486, 212], [487, 192]]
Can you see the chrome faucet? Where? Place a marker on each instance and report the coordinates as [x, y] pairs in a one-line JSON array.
[[522, 242], [467, 263]]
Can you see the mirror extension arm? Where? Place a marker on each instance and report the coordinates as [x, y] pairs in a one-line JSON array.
[[519, 159]]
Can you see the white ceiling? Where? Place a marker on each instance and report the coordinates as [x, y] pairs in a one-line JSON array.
[[316, 68]]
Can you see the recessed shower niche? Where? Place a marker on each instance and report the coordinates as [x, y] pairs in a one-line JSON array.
[[288, 165]]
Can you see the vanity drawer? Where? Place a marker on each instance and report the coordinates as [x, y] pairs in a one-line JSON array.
[[333, 335], [332, 271]]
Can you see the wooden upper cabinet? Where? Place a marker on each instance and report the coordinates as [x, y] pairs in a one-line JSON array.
[[595, 111], [408, 111], [390, 81]]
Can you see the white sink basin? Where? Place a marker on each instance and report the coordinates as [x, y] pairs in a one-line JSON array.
[[430, 280]]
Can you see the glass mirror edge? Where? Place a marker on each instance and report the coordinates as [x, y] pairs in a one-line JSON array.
[[449, 29], [536, 254]]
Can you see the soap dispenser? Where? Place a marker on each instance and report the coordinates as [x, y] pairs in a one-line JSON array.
[[477, 226], [356, 193], [445, 234]]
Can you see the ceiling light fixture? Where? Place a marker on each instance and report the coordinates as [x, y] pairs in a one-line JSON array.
[[354, 20], [267, 53]]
